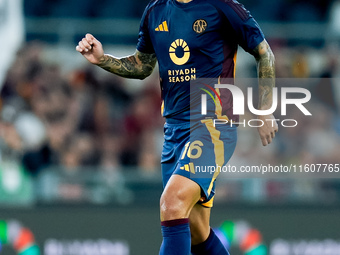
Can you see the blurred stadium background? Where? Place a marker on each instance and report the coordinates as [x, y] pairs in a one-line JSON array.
[[80, 148]]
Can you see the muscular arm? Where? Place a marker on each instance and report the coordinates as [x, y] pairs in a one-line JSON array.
[[266, 72], [137, 66]]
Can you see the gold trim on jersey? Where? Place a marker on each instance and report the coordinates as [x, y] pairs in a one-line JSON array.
[[218, 148], [218, 106], [234, 59]]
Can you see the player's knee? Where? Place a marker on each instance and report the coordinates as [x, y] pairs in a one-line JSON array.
[[173, 207], [171, 211]]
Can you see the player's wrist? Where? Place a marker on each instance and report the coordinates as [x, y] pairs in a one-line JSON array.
[[101, 60]]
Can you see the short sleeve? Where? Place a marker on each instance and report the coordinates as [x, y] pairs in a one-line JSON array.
[[248, 32], [144, 41]]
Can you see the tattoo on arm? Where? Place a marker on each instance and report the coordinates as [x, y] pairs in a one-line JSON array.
[[138, 66], [266, 73]]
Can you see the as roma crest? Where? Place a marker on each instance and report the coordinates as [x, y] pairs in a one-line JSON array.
[[199, 26]]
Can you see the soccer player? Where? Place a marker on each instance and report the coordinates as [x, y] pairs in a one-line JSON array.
[[195, 43]]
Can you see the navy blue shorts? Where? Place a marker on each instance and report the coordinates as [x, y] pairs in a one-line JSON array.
[[197, 151]]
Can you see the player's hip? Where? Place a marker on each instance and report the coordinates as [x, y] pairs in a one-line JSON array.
[[198, 141]]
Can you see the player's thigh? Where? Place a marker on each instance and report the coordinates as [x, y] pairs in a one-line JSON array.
[[205, 153], [179, 197], [199, 224], [175, 138]]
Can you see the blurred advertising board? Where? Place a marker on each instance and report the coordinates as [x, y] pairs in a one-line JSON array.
[[135, 230]]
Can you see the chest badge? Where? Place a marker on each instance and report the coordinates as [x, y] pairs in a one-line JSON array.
[[199, 26]]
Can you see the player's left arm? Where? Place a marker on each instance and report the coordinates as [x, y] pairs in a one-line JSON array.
[[266, 72]]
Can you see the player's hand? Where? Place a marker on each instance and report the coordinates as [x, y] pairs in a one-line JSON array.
[[91, 49], [268, 130]]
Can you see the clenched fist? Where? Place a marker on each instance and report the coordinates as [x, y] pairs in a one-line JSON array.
[[91, 49]]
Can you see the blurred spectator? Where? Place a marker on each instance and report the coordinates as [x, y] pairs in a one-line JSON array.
[[11, 28], [77, 110], [334, 21], [300, 67], [325, 89]]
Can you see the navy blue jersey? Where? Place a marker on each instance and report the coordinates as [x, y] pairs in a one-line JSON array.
[[196, 40]]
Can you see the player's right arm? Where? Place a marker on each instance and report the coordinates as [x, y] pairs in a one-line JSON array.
[[137, 66]]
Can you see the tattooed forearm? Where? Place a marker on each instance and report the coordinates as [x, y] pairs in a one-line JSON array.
[[148, 61], [266, 72], [137, 66]]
